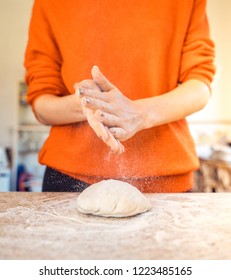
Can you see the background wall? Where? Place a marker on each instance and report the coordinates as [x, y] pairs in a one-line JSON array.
[[14, 20], [218, 109]]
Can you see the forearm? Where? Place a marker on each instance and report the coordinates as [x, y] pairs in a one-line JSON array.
[[56, 110], [177, 104]]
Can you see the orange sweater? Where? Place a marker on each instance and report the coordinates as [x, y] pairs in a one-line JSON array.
[[145, 47]]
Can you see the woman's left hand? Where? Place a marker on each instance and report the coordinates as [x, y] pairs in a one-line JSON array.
[[122, 116], [101, 131]]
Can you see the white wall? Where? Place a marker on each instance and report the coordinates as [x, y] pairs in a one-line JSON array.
[[219, 106], [14, 19]]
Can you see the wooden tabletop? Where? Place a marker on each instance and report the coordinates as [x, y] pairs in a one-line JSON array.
[[179, 226]]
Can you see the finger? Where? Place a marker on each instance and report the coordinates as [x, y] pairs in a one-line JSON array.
[[89, 84], [119, 133], [84, 110], [100, 130], [95, 104], [107, 119], [108, 139], [77, 87], [101, 80], [97, 94], [121, 146], [114, 144], [86, 84]]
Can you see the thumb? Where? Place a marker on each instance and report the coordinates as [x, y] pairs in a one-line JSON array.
[[101, 80]]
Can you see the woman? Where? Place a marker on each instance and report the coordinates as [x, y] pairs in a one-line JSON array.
[[129, 122]]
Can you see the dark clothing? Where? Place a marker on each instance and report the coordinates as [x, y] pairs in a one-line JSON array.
[[55, 181]]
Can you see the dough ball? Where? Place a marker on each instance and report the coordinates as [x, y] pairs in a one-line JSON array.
[[112, 198]]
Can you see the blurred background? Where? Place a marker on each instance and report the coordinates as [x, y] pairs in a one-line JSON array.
[[21, 136]]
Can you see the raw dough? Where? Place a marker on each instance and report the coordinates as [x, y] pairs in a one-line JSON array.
[[112, 198]]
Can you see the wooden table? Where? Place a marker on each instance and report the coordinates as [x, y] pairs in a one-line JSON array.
[[179, 226]]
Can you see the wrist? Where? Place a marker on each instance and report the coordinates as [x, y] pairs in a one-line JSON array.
[[76, 107], [143, 109]]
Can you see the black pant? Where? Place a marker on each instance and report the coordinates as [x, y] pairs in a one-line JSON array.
[[55, 181]]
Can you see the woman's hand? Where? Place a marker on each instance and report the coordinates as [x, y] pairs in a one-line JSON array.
[[125, 117], [101, 130], [122, 116]]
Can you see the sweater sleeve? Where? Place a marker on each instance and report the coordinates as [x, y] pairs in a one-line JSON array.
[[43, 60], [197, 61]]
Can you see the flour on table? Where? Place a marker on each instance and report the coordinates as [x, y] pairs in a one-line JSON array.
[[112, 198]]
